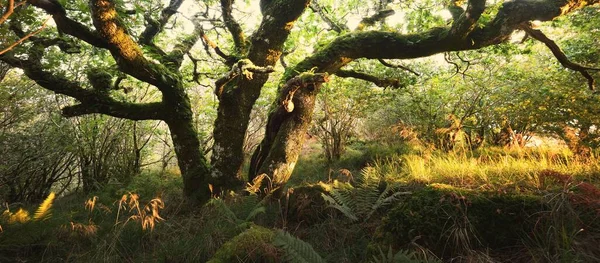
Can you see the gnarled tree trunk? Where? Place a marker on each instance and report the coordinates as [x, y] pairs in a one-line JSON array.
[[238, 97]]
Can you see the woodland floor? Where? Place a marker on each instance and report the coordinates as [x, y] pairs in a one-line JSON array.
[[401, 205]]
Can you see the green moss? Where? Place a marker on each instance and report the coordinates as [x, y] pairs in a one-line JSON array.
[[252, 245]]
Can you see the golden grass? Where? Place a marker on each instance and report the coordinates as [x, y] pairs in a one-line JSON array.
[[491, 168], [148, 216]]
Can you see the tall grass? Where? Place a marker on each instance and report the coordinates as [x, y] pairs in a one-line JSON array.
[[489, 168]]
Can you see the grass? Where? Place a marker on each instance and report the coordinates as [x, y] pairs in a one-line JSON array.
[[490, 205], [489, 169]]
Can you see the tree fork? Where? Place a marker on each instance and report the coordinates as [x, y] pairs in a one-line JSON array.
[[239, 95]]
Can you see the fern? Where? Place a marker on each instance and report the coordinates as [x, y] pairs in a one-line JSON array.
[[22, 216], [365, 199], [226, 211], [249, 208], [337, 200], [43, 211], [296, 250]]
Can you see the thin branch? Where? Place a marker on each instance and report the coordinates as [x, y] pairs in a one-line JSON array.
[[10, 10], [335, 26], [560, 55], [389, 65], [282, 57], [210, 44], [155, 27], [384, 83], [24, 37], [377, 17], [196, 74]]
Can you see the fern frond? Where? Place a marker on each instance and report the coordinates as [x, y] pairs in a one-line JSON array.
[[365, 199], [342, 207], [389, 195], [296, 250], [255, 212], [43, 210], [21, 216], [226, 211]]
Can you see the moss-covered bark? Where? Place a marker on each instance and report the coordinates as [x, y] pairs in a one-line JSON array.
[[286, 128], [194, 167], [238, 96]]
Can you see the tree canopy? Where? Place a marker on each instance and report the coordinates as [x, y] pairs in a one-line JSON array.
[[95, 52]]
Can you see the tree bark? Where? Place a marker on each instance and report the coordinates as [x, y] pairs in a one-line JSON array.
[[286, 128], [238, 96], [194, 167]]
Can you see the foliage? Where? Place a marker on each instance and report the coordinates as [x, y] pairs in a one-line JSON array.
[[22, 216], [343, 105], [296, 250], [362, 201]]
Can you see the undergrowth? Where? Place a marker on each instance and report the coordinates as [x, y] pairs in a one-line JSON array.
[[491, 205]]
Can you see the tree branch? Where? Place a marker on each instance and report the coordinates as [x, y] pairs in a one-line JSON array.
[[126, 52], [10, 9], [377, 17], [384, 83], [210, 44], [335, 26], [455, 9], [245, 68], [92, 100], [233, 26], [175, 57], [155, 27], [67, 25], [560, 55], [64, 45], [274, 29], [23, 38], [392, 45], [282, 57], [130, 111], [389, 65], [465, 23]]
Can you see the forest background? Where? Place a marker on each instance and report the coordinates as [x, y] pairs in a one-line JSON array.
[[343, 131]]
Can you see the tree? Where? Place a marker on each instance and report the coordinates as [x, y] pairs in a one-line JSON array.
[[341, 107], [133, 42]]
